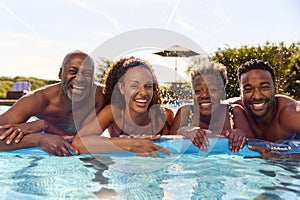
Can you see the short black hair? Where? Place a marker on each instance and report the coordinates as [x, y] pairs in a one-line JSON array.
[[255, 64]]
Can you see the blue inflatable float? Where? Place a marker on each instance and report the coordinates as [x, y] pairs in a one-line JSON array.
[[180, 145]]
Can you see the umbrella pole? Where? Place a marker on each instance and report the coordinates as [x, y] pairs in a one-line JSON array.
[[175, 69]]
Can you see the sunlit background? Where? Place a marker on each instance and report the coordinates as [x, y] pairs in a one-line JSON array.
[[36, 35]]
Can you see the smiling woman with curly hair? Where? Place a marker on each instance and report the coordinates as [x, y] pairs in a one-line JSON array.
[[116, 73], [133, 110]]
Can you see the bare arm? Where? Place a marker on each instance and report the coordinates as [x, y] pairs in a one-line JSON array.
[[169, 122], [52, 144], [27, 106], [17, 131], [268, 154], [290, 117], [241, 130], [99, 105], [89, 141], [180, 119]]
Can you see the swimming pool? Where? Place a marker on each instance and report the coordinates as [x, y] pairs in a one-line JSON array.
[[32, 174]]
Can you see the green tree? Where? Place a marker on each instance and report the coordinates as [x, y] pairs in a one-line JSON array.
[[102, 66], [278, 55], [6, 83]]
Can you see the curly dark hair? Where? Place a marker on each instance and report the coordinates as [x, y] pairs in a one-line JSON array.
[[255, 64], [116, 73]]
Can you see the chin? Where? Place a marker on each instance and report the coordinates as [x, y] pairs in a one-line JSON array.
[[76, 98]]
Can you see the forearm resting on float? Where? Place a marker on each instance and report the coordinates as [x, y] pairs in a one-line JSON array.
[[98, 144], [30, 140], [95, 144]]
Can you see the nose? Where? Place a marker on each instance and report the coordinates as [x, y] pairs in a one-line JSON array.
[[79, 77], [256, 93], [142, 90], [204, 94]]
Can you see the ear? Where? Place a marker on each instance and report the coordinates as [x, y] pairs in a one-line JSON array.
[[121, 87], [276, 89], [60, 73]]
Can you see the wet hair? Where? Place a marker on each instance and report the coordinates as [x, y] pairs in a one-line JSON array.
[[210, 67], [88, 60], [255, 64], [116, 73]]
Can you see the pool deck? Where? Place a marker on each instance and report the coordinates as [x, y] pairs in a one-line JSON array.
[[7, 102]]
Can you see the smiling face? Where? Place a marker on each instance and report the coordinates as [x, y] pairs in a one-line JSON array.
[[77, 78], [258, 91], [137, 88], [208, 93]]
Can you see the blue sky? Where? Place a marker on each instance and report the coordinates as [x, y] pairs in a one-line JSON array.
[[35, 35]]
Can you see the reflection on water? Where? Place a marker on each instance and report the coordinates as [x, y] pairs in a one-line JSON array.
[[183, 177]]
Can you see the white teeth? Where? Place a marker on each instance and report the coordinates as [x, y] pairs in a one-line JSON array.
[[205, 104], [78, 87], [258, 104], [141, 100]]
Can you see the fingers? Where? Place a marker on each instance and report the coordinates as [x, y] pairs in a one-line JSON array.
[[12, 134], [6, 133], [236, 140], [159, 148], [6, 126], [200, 140], [72, 148], [19, 136]]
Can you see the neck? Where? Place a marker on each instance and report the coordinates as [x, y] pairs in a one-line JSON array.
[[215, 120], [140, 119]]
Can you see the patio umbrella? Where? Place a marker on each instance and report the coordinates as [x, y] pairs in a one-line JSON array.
[[176, 51]]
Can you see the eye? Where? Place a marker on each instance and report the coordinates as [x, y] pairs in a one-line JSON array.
[[247, 89], [265, 87], [134, 85], [148, 86], [213, 90], [88, 74], [72, 71]]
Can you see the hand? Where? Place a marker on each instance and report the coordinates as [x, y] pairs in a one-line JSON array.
[[144, 147], [237, 139], [196, 135], [267, 153], [17, 131], [56, 145]]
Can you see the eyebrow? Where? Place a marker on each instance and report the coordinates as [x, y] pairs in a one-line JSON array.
[[262, 83]]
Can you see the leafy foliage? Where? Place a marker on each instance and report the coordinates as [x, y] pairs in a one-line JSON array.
[[6, 83], [102, 66], [283, 59]]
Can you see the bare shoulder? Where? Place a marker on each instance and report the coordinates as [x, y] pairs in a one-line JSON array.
[[99, 90], [234, 100], [99, 98], [168, 110], [41, 96], [185, 109], [287, 103]]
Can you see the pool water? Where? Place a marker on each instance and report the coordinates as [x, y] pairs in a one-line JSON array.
[[184, 175]]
